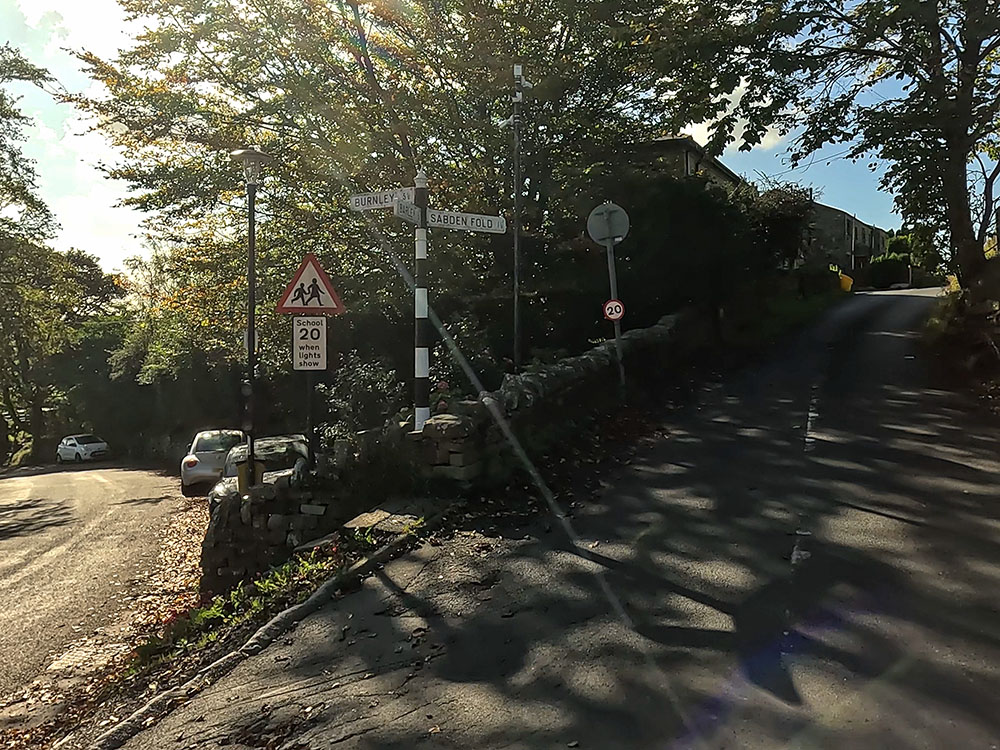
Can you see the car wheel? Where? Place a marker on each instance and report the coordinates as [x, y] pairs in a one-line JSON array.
[[59, 458], [189, 490], [78, 458]]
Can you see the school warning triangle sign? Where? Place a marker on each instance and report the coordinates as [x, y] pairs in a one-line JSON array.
[[310, 292]]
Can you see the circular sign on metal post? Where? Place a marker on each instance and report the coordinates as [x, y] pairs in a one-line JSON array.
[[608, 223], [614, 309]]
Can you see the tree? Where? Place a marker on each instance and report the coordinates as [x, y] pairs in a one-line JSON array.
[[351, 97], [22, 212], [780, 216], [914, 83], [918, 243], [45, 297], [38, 293]]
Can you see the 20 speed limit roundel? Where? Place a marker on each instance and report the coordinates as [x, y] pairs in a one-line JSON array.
[[614, 309]]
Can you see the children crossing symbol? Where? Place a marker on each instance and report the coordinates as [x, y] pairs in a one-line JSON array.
[[310, 291]]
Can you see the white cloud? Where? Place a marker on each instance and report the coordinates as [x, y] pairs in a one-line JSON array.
[[83, 200], [96, 25], [702, 131]]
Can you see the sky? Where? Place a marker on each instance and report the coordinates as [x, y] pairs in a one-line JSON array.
[[87, 204]]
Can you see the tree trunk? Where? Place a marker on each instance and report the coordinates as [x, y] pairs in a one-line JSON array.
[[4, 441], [36, 425], [966, 250]]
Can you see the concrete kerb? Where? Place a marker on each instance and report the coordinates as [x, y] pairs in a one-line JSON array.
[[161, 705]]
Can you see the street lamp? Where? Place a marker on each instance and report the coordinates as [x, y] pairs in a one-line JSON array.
[[252, 159]]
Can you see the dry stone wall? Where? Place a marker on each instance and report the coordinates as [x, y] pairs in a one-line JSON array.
[[249, 534]]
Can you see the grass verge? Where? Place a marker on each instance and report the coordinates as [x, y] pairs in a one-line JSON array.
[[965, 340], [249, 604]]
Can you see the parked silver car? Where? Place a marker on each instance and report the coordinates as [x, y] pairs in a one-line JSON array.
[[203, 464]]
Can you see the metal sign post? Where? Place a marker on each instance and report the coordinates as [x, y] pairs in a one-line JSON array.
[[310, 291], [411, 205], [607, 225], [421, 337], [309, 354]]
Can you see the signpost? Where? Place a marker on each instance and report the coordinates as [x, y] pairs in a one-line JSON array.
[[410, 204], [311, 292], [607, 225]]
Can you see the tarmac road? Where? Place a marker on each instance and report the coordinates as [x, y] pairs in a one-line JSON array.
[[809, 558], [72, 542]]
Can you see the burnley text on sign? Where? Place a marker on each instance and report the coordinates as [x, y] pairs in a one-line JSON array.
[[382, 199]]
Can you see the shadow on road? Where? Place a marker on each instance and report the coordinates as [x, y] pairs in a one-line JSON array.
[[35, 471], [813, 543], [146, 500], [30, 516]]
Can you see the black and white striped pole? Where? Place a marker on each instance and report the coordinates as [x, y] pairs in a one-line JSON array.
[[422, 333]]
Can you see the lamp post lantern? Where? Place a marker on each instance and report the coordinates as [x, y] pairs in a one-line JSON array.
[[252, 159]]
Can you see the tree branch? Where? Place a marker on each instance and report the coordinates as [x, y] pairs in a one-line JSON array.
[[364, 57], [989, 182]]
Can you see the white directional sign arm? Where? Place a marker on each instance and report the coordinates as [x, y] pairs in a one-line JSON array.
[[467, 222], [383, 199]]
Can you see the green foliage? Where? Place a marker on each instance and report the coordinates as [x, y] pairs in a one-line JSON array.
[[886, 270], [46, 296], [364, 392], [22, 213], [779, 216], [812, 279], [913, 84], [351, 101], [898, 245], [194, 629], [920, 244], [472, 338], [362, 95]]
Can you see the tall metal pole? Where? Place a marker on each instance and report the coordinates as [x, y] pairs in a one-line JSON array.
[[996, 217], [310, 417], [422, 332], [854, 234], [613, 276], [517, 98], [251, 330]]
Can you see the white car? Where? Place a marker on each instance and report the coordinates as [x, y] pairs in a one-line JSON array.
[[202, 466], [81, 448]]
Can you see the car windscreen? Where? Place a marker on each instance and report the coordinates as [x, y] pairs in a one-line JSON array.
[[216, 441], [88, 439], [275, 456]]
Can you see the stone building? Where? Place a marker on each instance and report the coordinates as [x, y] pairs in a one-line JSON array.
[[835, 236], [682, 156], [843, 239]]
